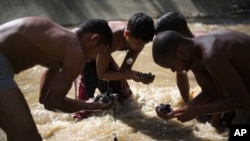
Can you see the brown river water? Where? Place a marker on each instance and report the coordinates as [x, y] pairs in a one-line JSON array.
[[136, 119]]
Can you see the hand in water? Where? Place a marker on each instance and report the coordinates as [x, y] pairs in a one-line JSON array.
[[107, 104], [164, 115]]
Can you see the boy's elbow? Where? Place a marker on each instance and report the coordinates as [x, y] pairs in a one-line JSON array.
[[51, 106], [48, 106]]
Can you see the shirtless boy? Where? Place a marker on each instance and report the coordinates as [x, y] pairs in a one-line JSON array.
[[129, 36], [220, 62], [31, 41], [176, 22]]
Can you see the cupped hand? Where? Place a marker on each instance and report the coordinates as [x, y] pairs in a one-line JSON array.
[[166, 116], [134, 76], [148, 78], [105, 106], [185, 113], [145, 78]]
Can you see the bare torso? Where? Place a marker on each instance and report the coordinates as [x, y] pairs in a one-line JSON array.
[[227, 53], [118, 42], [30, 41], [225, 46]]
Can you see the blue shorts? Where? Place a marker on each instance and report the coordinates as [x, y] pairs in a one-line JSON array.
[[6, 74]]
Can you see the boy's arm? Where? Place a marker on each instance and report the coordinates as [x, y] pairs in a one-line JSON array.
[[230, 82], [55, 96], [183, 85], [126, 65], [45, 81], [208, 87], [57, 84], [103, 61], [129, 62], [208, 94]]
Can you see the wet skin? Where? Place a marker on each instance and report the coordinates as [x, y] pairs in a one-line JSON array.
[[220, 63]]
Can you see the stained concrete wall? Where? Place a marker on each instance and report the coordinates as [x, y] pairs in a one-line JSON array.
[[71, 12]]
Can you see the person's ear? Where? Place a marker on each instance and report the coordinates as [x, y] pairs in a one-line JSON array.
[[127, 33], [95, 37]]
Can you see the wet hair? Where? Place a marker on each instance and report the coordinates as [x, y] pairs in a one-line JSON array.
[[173, 21], [97, 26], [165, 43], [141, 26]]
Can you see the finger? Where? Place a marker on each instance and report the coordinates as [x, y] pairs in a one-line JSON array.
[[148, 80], [164, 116], [179, 110], [151, 80]]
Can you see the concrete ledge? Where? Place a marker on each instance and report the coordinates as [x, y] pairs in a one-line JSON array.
[[71, 12]]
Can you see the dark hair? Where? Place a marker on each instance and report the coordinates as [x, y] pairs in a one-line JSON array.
[[173, 21], [141, 26], [166, 42], [98, 26]]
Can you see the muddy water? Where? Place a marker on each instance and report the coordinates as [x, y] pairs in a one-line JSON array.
[[136, 119]]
